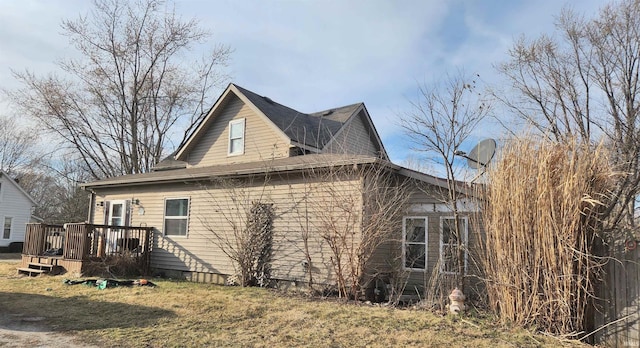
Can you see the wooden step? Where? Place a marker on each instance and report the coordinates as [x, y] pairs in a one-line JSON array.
[[31, 272], [42, 266]]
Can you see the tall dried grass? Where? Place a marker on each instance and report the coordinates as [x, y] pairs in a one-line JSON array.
[[542, 223]]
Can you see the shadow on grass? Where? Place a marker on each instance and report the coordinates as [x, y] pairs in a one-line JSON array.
[[33, 312], [10, 256]]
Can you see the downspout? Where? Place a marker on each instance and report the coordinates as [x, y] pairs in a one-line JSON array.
[[92, 204]]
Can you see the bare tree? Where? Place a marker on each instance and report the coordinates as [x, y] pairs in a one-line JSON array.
[[18, 146], [239, 221], [131, 92], [583, 83], [55, 189], [441, 120], [356, 222]]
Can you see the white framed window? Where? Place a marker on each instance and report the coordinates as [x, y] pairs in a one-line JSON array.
[[414, 242], [236, 137], [449, 244], [6, 229], [176, 216]]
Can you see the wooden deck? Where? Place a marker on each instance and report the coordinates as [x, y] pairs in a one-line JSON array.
[[72, 247]]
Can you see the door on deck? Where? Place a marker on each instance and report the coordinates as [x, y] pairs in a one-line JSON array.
[[116, 215]]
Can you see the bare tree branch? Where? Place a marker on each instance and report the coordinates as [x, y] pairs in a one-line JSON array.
[[131, 92]]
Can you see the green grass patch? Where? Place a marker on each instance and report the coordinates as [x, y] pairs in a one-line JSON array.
[[183, 314]]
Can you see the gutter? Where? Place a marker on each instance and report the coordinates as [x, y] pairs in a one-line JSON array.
[[186, 177]]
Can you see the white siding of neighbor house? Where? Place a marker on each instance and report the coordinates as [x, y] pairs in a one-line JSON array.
[[14, 204], [354, 138], [298, 205], [261, 140]]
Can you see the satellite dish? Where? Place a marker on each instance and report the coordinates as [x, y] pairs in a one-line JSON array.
[[481, 154]]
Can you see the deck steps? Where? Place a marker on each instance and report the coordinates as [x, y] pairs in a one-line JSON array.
[[35, 268]]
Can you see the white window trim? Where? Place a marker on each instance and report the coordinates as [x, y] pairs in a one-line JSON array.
[[232, 123], [10, 228], [165, 217], [404, 243], [464, 243]]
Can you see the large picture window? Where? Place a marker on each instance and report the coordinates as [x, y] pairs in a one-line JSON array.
[[449, 244], [176, 216], [236, 137], [414, 242]]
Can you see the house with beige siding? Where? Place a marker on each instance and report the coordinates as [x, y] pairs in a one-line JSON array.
[[250, 149]]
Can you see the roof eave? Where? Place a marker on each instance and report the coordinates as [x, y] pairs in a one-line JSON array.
[[305, 146], [369, 122], [31, 199], [189, 143], [287, 168]]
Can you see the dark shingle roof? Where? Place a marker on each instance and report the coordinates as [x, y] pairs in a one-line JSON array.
[[315, 129]]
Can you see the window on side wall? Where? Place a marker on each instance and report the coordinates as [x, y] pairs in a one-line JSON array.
[[449, 244], [414, 251], [6, 230], [176, 216], [236, 137]]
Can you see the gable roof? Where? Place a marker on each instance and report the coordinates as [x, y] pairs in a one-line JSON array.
[[311, 131], [3, 174]]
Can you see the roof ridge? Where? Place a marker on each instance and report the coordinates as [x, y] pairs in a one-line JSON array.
[[334, 108], [267, 99], [271, 101]]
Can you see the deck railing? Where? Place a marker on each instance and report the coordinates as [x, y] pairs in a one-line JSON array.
[[82, 241], [42, 239]]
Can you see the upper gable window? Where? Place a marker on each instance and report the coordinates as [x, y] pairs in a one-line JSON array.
[[236, 137]]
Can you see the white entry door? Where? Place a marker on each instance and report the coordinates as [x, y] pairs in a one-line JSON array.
[[116, 217], [116, 213]]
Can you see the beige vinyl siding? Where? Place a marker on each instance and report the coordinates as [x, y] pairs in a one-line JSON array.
[[261, 141], [355, 138], [200, 251]]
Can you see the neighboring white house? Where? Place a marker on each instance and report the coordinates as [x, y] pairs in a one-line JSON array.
[[15, 212]]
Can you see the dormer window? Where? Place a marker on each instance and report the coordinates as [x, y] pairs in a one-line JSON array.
[[236, 137]]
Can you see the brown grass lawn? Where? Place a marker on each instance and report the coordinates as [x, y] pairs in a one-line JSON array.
[[183, 314]]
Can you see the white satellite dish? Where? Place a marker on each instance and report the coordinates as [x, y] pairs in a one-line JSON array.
[[481, 154]]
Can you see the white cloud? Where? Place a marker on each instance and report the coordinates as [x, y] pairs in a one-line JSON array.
[[313, 55]]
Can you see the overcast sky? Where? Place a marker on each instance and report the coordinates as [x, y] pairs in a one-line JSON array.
[[314, 55]]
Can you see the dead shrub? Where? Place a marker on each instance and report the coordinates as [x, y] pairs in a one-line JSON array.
[[114, 266]]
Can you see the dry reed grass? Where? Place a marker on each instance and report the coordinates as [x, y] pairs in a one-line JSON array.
[[541, 223]]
